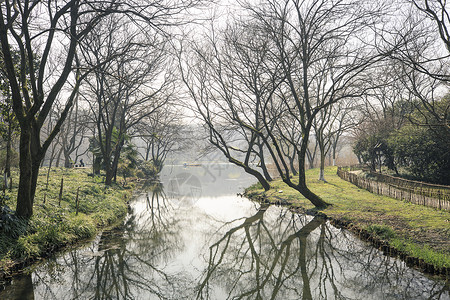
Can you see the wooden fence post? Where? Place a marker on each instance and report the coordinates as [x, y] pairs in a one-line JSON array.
[[61, 191], [76, 200]]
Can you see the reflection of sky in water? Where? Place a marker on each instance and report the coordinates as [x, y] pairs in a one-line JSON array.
[[216, 179], [221, 247]]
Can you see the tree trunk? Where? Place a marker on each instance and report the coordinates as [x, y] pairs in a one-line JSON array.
[[334, 156], [322, 165], [115, 162], [306, 192], [301, 187], [111, 167], [25, 197], [291, 162], [147, 152], [253, 172], [58, 158], [373, 163], [31, 156], [265, 184], [311, 157], [263, 163], [67, 162], [109, 174]]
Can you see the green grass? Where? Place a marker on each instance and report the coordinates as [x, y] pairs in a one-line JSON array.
[[52, 226], [419, 231]]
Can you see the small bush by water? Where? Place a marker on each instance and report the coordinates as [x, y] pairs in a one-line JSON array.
[[382, 231]]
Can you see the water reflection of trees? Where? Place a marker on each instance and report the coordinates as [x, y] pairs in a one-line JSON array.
[[288, 256], [126, 262]]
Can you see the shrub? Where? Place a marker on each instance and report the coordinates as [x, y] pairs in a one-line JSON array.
[[140, 174], [10, 224], [382, 231], [148, 169]]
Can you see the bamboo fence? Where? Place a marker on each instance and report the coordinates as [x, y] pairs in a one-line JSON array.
[[437, 196]]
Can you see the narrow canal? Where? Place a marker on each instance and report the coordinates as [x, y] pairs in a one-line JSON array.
[[191, 237]]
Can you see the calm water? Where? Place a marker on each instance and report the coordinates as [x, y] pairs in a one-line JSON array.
[[191, 237]]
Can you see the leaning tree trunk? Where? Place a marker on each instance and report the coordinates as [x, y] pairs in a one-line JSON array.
[[301, 156], [302, 187], [261, 179], [308, 194], [265, 184]]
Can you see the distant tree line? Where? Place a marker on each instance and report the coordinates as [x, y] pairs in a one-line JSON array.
[[409, 147]]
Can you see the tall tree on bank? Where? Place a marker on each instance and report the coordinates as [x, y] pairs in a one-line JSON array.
[[52, 30]]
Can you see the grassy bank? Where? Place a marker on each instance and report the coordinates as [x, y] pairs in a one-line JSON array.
[[54, 226], [415, 231]]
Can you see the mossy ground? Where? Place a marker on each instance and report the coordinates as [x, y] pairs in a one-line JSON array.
[[54, 226], [419, 231]]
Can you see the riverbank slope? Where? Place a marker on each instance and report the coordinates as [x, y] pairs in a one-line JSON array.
[[420, 235], [55, 225]]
